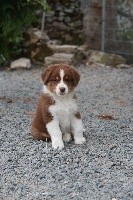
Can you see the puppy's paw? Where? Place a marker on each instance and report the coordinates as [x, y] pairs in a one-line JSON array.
[[58, 145], [66, 137], [79, 140]]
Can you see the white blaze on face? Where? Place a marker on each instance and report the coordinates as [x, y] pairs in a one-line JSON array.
[[61, 84]]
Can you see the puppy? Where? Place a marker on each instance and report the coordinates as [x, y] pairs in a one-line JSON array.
[[57, 117]]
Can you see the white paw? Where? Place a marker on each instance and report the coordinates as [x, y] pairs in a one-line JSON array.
[[80, 140], [58, 144], [66, 137]]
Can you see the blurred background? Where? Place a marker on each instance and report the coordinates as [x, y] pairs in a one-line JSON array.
[[103, 25]]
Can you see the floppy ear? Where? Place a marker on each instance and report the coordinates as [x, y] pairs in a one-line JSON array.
[[76, 76], [46, 74]]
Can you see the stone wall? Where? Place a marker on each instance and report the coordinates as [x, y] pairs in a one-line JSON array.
[[65, 21]]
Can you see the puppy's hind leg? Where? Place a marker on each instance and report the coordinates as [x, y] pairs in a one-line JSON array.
[[40, 135]]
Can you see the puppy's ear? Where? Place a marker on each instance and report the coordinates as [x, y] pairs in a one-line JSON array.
[[46, 75], [76, 76]]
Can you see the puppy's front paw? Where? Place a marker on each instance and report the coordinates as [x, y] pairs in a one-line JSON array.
[[66, 137], [58, 144], [80, 140]]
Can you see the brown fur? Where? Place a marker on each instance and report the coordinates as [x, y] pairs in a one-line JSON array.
[[77, 115], [51, 76], [42, 117]]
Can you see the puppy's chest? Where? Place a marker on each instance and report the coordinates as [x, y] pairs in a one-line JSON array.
[[64, 108]]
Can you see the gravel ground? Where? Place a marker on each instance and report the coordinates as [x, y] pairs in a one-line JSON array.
[[101, 169]]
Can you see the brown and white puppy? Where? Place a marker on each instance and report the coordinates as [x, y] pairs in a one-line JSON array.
[[57, 115]]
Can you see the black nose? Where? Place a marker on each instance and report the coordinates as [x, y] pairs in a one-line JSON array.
[[62, 89]]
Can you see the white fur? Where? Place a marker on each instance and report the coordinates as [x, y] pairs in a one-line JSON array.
[[55, 133], [64, 121], [61, 83], [77, 130], [66, 137]]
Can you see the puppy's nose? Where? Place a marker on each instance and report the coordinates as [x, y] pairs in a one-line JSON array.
[[62, 89]]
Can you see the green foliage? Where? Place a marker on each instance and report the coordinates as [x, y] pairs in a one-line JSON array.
[[15, 16]]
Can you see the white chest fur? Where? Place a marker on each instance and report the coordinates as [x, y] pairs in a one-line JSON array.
[[63, 109]]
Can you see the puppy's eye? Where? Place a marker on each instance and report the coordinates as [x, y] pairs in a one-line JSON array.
[[67, 78], [55, 79]]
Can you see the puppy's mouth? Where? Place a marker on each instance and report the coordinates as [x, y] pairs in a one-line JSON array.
[[62, 93]]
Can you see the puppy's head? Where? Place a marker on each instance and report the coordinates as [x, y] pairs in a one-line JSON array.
[[60, 79]]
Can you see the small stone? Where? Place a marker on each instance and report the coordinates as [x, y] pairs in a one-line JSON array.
[[67, 19], [63, 48], [54, 42], [68, 37], [61, 18], [112, 146], [105, 58], [21, 63], [68, 10], [58, 8], [79, 55], [78, 23], [61, 13], [59, 58], [123, 66], [49, 19], [33, 35]]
